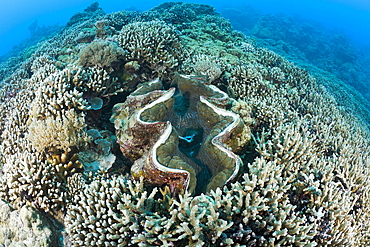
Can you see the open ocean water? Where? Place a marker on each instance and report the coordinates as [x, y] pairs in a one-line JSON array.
[[349, 17]]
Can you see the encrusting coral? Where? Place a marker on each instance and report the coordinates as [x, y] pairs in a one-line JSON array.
[[305, 178]]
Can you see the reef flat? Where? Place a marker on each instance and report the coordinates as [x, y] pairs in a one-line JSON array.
[[169, 128]]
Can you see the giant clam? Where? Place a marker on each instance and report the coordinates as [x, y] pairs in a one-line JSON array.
[[183, 137]]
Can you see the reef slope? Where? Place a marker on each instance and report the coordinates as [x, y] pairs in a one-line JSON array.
[[305, 174]]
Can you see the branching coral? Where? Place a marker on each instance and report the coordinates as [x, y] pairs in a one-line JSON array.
[[263, 211], [309, 146], [240, 77], [243, 214], [154, 44], [30, 178], [129, 219], [305, 181], [123, 203], [97, 82], [56, 93], [210, 67], [60, 133]]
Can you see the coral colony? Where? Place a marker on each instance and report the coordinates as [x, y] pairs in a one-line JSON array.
[[169, 128]]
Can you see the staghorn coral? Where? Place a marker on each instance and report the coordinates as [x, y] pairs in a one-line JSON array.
[[305, 181], [302, 148], [262, 210], [223, 218], [240, 77], [56, 93], [98, 82], [128, 221], [123, 201]]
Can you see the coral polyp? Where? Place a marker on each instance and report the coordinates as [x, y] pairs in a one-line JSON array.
[[183, 137]]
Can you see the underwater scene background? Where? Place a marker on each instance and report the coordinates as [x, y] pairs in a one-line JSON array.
[[179, 124], [334, 35]]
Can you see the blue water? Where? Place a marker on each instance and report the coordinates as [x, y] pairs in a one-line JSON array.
[[352, 17]]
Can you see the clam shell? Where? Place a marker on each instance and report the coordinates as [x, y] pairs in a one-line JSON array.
[[153, 126]]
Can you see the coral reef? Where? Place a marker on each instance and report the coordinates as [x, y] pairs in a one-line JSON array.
[[154, 44], [93, 11], [304, 144], [38, 181], [25, 227], [241, 215], [211, 67], [307, 42], [60, 133], [100, 53]]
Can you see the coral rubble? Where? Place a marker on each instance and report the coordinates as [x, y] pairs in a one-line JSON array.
[[306, 162]]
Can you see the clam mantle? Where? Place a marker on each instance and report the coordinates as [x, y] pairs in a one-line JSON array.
[[183, 137]]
